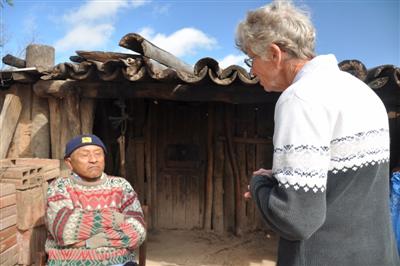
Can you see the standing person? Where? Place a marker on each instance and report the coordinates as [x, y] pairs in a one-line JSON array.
[[92, 218], [395, 202], [327, 194]]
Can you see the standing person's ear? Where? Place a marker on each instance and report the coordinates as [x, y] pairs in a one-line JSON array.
[[275, 53]]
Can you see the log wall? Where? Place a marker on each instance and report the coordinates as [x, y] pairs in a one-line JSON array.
[[191, 163]]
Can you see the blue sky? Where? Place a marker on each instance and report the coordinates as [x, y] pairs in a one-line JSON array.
[[355, 29]]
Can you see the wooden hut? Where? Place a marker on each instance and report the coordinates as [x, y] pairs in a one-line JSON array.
[[187, 138]]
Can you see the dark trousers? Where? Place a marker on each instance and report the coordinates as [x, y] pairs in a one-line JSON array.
[[131, 263]]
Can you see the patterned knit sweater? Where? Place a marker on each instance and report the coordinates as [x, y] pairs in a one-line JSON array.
[[329, 194], [104, 215]]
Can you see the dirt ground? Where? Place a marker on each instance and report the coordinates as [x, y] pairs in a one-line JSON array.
[[199, 248]]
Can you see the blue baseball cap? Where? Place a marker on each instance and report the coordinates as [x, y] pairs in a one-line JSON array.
[[83, 140]]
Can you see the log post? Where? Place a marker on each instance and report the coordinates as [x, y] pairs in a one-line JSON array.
[[8, 121], [40, 56], [21, 143], [235, 170], [207, 224]]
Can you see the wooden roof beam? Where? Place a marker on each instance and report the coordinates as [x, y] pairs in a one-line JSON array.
[[236, 94], [137, 43]]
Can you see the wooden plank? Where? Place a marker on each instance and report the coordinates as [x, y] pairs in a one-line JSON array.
[[72, 109], [250, 206], [131, 165], [178, 190], [198, 202], [148, 168], [140, 171], [8, 211], [6, 189], [40, 138], [8, 200], [104, 56], [170, 199], [154, 114], [248, 140], [8, 257], [8, 243], [218, 203], [7, 232], [229, 195], [234, 93], [8, 121], [21, 143], [8, 221], [210, 168], [137, 43], [87, 108], [174, 190], [55, 128], [241, 156], [14, 61], [229, 112]]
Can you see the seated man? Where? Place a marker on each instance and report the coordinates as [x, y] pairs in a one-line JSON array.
[[92, 218]]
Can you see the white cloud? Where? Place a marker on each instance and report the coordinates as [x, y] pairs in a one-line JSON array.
[[137, 3], [85, 37], [186, 41], [233, 59], [146, 32], [93, 24], [94, 11]]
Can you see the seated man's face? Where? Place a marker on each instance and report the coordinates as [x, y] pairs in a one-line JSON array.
[[87, 161]]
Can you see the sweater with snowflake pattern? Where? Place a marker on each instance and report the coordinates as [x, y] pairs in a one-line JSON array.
[[328, 197], [105, 215]]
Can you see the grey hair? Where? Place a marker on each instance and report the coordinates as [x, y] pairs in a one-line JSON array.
[[280, 23]]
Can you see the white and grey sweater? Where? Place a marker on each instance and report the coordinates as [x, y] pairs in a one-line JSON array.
[[328, 198]]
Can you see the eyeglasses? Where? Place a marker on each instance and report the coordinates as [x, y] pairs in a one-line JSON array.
[[249, 62]]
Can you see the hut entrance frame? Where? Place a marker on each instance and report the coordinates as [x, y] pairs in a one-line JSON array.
[[190, 162]]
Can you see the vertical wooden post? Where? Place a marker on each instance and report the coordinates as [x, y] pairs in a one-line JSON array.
[[55, 128], [148, 162], [8, 121], [154, 113], [87, 108], [41, 56], [21, 143], [210, 168], [235, 170]]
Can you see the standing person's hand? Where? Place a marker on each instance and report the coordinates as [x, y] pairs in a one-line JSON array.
[[247, 194], [265, 172]]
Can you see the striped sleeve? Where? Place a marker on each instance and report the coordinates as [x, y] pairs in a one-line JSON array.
[[69, 224], [295, 206], [131, 233]]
